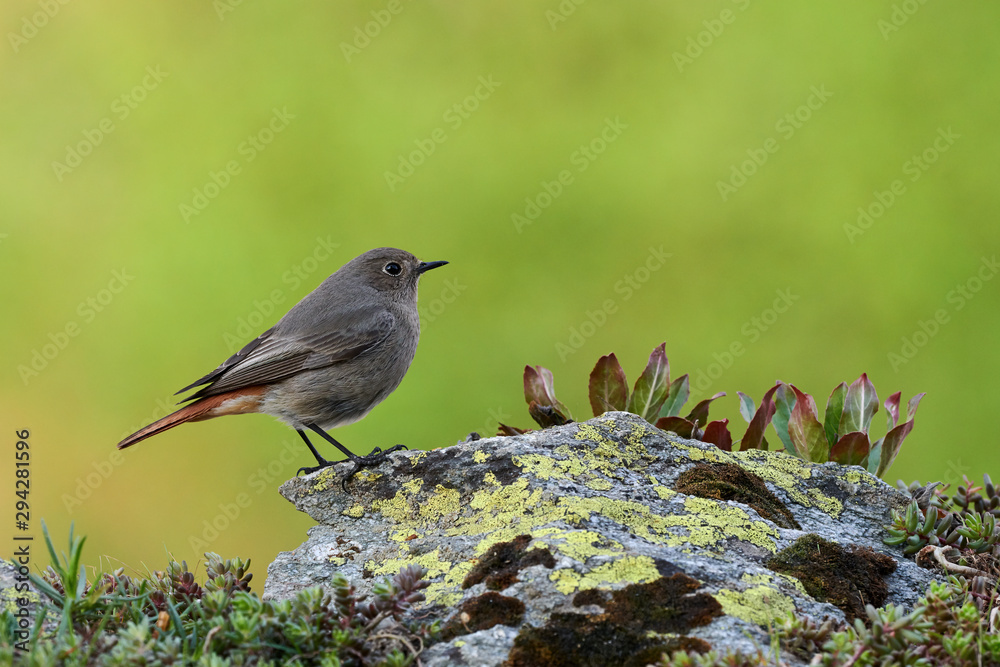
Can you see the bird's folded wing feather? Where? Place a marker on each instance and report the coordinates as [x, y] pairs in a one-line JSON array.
[[272, 357]]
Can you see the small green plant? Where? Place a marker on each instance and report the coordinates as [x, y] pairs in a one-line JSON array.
[[167, 617], [843, 436], [966, 523]]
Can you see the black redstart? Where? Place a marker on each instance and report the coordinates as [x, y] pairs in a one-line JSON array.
[[331, 359]]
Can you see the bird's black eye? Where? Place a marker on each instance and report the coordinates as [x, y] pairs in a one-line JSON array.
[[392, 268]]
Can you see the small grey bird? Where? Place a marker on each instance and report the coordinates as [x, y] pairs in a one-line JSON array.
[[334, 356]]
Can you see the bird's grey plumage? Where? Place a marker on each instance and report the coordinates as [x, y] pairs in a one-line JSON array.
[[333, 357], [338, 352]]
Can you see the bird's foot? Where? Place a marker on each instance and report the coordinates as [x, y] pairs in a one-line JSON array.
[[323, 463], [376, 457]]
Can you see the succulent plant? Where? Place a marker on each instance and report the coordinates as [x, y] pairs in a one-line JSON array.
[[843, 435]]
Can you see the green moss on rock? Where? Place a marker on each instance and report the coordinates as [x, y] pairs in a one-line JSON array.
[[630, 632], [848, 578], [728, 481]]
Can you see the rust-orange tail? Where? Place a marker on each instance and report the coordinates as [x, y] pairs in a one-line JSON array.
[[236, 402]]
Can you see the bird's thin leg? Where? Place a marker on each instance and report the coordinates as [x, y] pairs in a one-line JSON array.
[[373, 459], [323, 463]]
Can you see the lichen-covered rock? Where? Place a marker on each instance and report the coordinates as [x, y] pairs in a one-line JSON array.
[[555, 542]]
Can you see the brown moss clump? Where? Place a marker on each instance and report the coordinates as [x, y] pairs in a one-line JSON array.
[[728, 481], [625, 634], [482, 613], [500, 564], [590, 596], [847, 578]]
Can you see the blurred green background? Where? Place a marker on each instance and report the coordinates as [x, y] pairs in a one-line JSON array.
[[116, 116]]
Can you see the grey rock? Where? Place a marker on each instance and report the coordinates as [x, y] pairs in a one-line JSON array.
[[599, 496]]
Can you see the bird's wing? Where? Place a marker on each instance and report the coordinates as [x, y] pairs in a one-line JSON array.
[[272, 357]]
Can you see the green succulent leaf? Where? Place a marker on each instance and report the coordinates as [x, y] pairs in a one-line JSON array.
[[852, 449], [784, 402], [747, 408], [754, 436], [608, 387], [677, 396], [860, 404], [805, 430], [650, 391], [834, 411]]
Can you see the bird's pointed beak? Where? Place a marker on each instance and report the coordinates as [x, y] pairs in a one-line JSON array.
[[427, 266]]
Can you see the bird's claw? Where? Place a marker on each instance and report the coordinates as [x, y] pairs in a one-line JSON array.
[[376, 457]]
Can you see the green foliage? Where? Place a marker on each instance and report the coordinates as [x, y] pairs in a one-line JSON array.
[[168, 618], [843, 436], [965, 522], [949, 626]]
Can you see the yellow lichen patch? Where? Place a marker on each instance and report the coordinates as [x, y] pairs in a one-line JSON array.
[[546, 467], [9, 598], [858, 477], [762, 605], [442, 502], [325, 480], [707, 522], [336, 560], [628, 569], [792, 581], [502, 514], [398, 507], [356, 511], [608, 456], [578, 544], [491, 479], [638, 432], [417, 458], [785, 472], [718, 521], [442, 592], [663, 492], [480, 456], [709, 455], [598, 484]]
